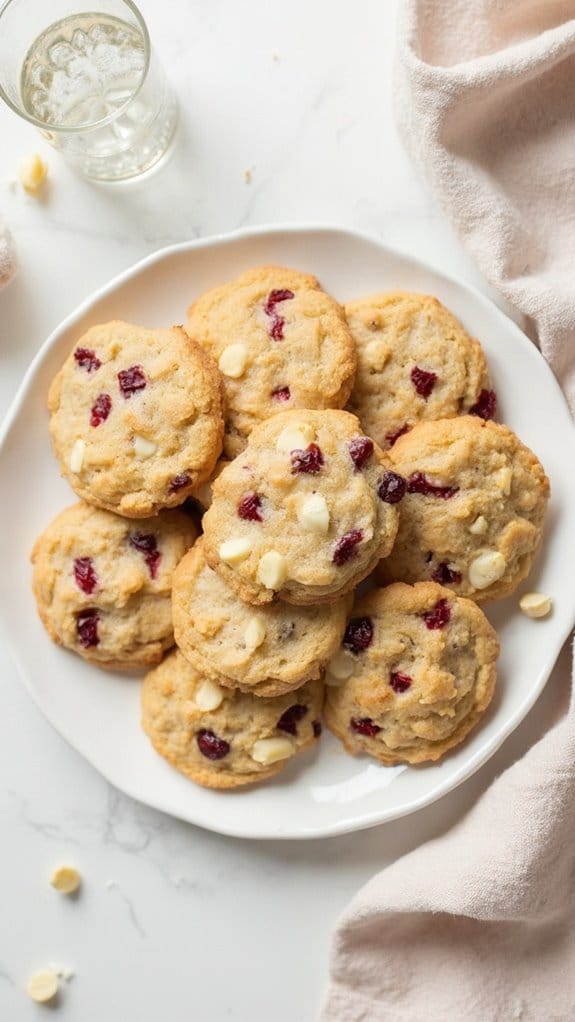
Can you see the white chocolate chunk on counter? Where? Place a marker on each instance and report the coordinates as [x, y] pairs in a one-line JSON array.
[[255, 633], [486, 569], [295, 438], [42, 986], [233, 361], [232, 551], [535, 605], [209, 696], [77, 456], [65, 879], [313, 514], [272, 570], [143, 448], [32, 172], [270, 750]]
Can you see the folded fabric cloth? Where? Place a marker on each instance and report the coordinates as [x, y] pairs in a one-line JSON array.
[[7, 256], [478, 925]]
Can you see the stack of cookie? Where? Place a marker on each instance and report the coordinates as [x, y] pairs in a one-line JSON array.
[[303, 502]]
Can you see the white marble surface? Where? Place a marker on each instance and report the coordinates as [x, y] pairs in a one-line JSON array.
[[173, 922]]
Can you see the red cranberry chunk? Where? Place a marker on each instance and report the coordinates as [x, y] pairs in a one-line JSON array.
[[392, 437], [439, 616], [131, 380], [281, 394], [423, 381], [419, 483], [291, 717], [100, 409], [249, 508], [277, 328], [86, 578], [358, 634], [87, 359], [210, 745], [360, 450], [345, 548], [309, 461], [277, 295], [364, 726], [146, 544], [399, 682], [178, 482], [316, 725], [87, 628], [486, 405], [446, 575], [391, 488]]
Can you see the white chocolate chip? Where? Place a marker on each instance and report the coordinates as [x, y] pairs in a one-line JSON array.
[[295, 438], [486, 569], [270, 750], [339, 669], [313, 514], [77, 456], [232, 551], [272, 570], [32, 171], [233, 360], [503, 479], [42, 986], [143, 448], [65, 879], [479, 526], [535, 605], [255, 632], [208, 696], [376, 355]]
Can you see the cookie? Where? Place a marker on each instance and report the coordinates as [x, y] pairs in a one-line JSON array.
[[280, 343], [473, 510], [103, 583], [136, 417], [304, 513], [224, 738], [269, 651], [415, 361], [416, 672]]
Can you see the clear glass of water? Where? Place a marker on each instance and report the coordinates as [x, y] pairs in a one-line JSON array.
[[87, 77]]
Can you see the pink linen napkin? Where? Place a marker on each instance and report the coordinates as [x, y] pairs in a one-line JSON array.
[[479, 925]]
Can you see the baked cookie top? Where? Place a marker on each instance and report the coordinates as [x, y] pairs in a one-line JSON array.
[[103, 583], [304, 512], [223, 738], [280, 343], [473, 510], [416, 671], [267, 651], [136, 417], [414, 361]]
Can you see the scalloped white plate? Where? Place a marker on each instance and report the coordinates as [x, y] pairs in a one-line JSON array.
[[325, 791]]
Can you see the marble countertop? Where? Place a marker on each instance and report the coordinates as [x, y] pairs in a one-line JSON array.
[[173, 922]]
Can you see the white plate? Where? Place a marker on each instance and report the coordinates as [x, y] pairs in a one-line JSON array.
[[324, 791]]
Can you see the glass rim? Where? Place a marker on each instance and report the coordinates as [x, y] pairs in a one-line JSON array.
[[76, 129]]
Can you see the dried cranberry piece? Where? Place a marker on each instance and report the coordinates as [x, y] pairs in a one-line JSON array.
[[358, 634], [392, 437], [281, 393], [345, 547], [446, 575], [87, 359], [131, 380], [87, 627], [316, 725], [364, 726], [399, 682], [423, 381], [100, 409], [210, 745], [249, 508], [439, 616], [86, 578], [178, 482], [419, 483], [147, 544], [486, 405], [309, 461], [360, 450], [278, 322], [291, 717], [391, 488]]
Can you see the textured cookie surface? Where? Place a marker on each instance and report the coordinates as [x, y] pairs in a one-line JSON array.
[[304, 512], [473, 512], [421, 670], [280, 342], [415, 361], [103, 583], [223, 738], [268, 651], [136, 417]]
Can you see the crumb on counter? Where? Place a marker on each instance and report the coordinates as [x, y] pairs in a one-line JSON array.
[[32, 172], [65, 879], [42, 986]]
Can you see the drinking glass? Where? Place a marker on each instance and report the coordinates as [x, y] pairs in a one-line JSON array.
[[87, 77]]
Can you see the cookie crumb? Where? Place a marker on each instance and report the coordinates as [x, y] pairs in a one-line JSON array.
[[32, 172], [248, 175], [42, 986], [63, 971], [65, 879]]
